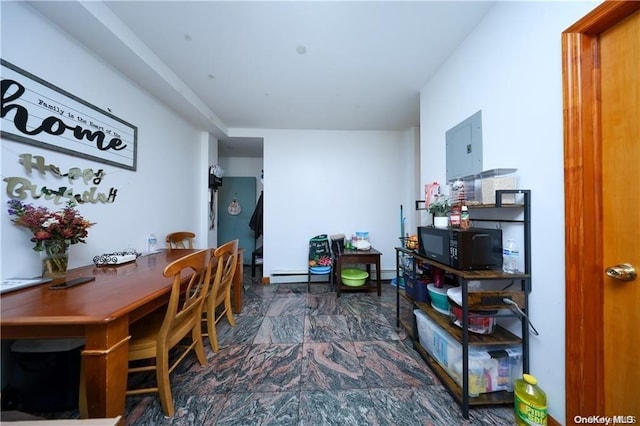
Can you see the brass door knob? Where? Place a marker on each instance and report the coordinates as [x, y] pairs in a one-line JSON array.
[[622, 272]]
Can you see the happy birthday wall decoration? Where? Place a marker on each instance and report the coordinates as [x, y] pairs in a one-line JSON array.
[[21, 188]]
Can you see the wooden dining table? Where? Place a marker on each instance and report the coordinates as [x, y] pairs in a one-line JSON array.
[[101, 312]]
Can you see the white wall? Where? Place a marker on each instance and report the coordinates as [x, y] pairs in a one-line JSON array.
[[510, 68], [166, 193], [332, 182]]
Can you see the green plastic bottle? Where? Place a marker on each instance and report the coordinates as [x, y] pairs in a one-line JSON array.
[[530, 402]]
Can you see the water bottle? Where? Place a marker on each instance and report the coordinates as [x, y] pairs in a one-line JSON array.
[[152, 243], [510, 255], [530, 402]]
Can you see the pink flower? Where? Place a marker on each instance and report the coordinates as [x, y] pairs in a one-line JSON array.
[[42, 235]]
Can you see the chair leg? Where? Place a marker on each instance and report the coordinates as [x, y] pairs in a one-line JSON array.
[[196, 335], [227, 308], [308, 282], [211, 331], [164, 386]]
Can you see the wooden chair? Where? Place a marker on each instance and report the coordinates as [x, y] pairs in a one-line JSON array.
[[180, 240], [226, 257], [153, 336]]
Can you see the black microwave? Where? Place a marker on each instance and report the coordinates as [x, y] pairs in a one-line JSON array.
[[466, 249]]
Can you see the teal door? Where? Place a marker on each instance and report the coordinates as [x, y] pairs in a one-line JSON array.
[[233, 222]]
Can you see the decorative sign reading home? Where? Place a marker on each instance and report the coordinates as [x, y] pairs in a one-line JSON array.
[[38, 113]]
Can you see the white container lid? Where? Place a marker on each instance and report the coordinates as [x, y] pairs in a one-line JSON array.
[[455, 293]]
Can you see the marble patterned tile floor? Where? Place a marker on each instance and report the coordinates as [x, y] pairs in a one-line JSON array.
[[298, 358]]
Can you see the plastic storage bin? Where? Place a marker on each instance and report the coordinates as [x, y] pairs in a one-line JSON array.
[[439, 299], [491, 368], [437, 342], [480, 322], [481, 188], [416, 289], [491, 180]]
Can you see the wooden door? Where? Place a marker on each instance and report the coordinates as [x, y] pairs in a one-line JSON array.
[[601, 72]]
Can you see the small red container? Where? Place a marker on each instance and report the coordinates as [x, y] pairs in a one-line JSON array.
[[479, 321]]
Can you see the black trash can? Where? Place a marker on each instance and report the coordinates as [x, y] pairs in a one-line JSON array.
[[45, 374]]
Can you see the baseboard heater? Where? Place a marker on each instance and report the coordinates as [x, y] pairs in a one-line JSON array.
[[287, 273]]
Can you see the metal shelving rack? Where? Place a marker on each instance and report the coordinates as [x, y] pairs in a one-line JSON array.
[[489, 300]]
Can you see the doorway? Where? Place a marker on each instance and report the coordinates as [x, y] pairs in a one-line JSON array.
[[236, 203], [601, 89]]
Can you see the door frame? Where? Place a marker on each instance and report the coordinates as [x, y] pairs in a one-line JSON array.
[[584, 280]]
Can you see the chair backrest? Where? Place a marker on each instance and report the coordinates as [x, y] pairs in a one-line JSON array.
[[226, 257], [180, 240], [185, 307], [320, 251], [337, 246]]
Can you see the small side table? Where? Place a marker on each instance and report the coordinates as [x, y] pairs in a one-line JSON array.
[[368, 257]]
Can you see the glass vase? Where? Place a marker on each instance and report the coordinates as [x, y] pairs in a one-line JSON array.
[[55, 258]]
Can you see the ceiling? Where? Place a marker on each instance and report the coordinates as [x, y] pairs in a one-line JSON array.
[[233, 65]]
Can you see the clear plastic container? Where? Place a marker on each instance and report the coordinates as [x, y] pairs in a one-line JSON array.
[[362, 236]]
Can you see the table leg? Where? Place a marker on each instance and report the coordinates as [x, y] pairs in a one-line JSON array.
[[338, 276], [105, 361], [238, 282], [379, 281]]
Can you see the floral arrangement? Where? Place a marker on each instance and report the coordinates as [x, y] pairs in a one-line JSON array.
[[63, 227]]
